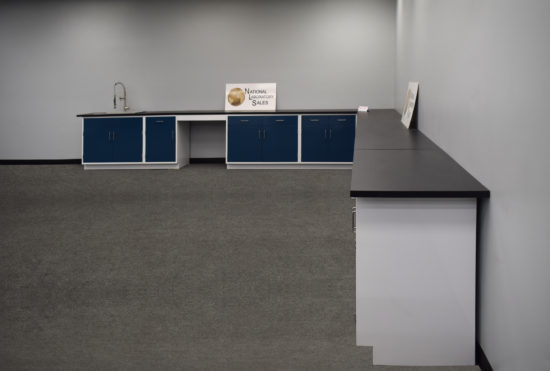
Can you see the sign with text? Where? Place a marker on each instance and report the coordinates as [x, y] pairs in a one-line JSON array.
[[410, 102], [250, 97]]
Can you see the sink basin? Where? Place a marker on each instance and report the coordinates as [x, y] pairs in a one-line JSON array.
[[116, 113]]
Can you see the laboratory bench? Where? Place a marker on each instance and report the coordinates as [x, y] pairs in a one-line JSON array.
[[282, 139]]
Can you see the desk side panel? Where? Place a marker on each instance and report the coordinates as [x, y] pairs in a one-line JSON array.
[[416, 280]]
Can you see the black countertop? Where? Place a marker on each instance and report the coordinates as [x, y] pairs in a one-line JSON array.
[[393, 161], [347, 111]]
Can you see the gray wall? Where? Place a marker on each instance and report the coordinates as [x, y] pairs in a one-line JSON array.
[[58, 59], [483, 72]]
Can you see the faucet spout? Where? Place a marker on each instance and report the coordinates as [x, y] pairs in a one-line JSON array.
[[121, 97]]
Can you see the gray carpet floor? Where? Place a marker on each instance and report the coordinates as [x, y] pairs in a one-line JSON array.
[[197, 269]]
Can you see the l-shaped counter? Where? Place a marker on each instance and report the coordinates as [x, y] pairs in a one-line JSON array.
[[416, 233], [415, 216]]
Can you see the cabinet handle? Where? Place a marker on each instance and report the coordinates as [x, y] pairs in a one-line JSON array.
[[113, 135], [264, 134], [354, 218], [109, 136], [259, 134], [325, 133], [279, 120], [159, 121], [244, 120], [329, 133], [314, 120], [342, 120]]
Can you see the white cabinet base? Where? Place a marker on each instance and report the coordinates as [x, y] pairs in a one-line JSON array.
[[133, 166], [416, 280], [290, 165]]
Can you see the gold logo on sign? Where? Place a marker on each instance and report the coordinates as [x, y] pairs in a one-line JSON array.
[[235, 97]]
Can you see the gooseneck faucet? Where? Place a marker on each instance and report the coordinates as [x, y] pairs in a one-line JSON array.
[[122, 97]]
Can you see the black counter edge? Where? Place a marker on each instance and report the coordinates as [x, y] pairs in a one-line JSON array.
[[70, 161], [220, 112], [430, 194]]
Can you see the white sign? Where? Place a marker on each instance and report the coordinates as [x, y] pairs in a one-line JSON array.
[[410, 102], [250, 97]]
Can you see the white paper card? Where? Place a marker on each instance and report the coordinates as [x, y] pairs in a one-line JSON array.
[[363, 109], [410, 102], [250, 97]]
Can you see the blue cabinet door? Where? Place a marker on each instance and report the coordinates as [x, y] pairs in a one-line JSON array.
[[244, 135], [341, 138], [315, 138], [160, 139], [98, 144], [280, 139], [128, 139], [112, 139]]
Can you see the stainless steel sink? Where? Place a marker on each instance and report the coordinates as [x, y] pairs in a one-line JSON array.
[[116, 113]]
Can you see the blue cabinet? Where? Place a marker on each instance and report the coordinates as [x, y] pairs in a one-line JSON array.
[[160, 139], [315, 138], [97, 143], [328, 138], [128, 140], [262, 139], [112, 139], [341, 138], [280, 139], [244, 136]]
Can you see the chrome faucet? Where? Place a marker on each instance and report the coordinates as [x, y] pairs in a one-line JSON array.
[[123, 97]]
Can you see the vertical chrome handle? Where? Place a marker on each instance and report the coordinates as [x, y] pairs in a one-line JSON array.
[[113, 135], [354, 218], [259, 134], [109, 136], [325, 133], [264, 134], [330, 134]]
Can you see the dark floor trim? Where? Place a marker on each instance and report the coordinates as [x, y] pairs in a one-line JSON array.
[[208, 160], [481, 359], [42, 162]]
